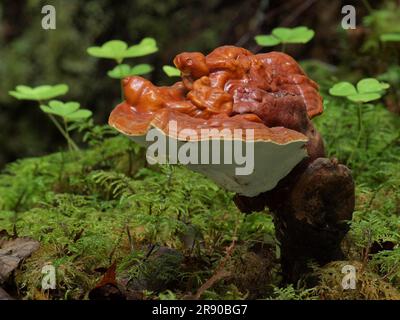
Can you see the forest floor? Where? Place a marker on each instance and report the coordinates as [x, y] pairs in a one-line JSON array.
[[112, 225]]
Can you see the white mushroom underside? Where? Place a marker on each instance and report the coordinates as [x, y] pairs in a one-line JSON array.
[[272, 161]]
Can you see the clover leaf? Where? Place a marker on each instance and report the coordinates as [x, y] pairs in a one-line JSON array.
[[370, 85], [44, 92], [285, 35], [343, 89], [118, 50], [145, 47], [390, 37], [80, 114], [293, 35], [367, 90], [124, 70], [364, 97], [69, 111], [171, 71], [267, 40]]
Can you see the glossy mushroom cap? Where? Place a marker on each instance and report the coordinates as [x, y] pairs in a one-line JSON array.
[[231, 88]]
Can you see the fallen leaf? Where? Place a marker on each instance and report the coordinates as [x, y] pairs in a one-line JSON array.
[[12, 252], [4, 295], [107, 288]]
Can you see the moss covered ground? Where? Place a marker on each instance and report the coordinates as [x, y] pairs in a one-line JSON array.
[[174, 234]]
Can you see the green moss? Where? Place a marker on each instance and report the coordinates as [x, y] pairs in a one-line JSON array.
[[104, 204], [368, 286]]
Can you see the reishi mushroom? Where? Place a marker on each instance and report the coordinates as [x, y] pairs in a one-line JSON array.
[[231, 88]]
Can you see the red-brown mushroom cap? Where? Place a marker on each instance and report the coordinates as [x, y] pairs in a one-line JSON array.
[[228, 89]]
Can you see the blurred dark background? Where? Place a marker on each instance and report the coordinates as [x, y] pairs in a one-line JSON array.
[[32, 56]]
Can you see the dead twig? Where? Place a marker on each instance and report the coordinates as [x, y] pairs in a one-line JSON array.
[[300, 9], [219, 273], [131, 246]]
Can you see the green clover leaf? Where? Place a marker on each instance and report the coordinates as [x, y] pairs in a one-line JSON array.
[[145, 47], [364, 97], [124, 70], [44, 92], [286, 35], [60, 108], [114, 49], [118, 50], [267, 40], [342, 89], [390, 37], [70, 111], [371, 85], [294, 35], [80, 114], [368, 89], [171, 71]]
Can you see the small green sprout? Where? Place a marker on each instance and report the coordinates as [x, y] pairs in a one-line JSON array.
[[39, 93], [171, 71], [285, 36], [124, 70], [118, 50], [367, 90], [68, 112]]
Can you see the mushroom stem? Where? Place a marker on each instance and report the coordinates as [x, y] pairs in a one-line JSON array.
[[311, 208]]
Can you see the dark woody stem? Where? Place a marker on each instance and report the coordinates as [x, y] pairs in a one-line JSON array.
[[311, 208]]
